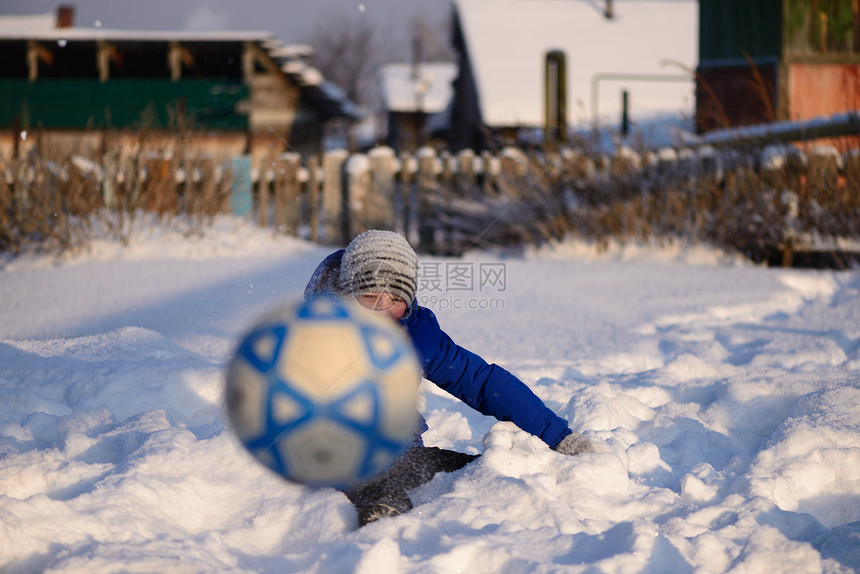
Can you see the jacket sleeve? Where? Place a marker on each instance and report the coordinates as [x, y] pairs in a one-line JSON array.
[[487, 388]]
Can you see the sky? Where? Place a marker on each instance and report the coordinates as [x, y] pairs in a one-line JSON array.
[[722, 400], [290, 20]]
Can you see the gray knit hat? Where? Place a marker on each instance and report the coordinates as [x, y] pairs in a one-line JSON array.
[[380, 262]]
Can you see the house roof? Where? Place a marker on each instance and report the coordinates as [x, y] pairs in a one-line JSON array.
[[107, 34], [507, 42], [44, 27], [12, 23], [429, 92], [322, 94], [329, 98]]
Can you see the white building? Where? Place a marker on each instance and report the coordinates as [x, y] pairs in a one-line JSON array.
[[647, 47]]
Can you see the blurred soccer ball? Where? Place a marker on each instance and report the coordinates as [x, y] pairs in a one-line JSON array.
[[324, 392]]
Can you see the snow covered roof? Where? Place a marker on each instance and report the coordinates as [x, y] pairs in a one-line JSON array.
[[507, 42], [32, 22], [431, 90], [93, 34], [44, 27], [327, 96], [293, 51]]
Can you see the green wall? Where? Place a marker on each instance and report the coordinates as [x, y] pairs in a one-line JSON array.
[[730, 29], [144, 104]]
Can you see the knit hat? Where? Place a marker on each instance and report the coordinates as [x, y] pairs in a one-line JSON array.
[[380, 262]]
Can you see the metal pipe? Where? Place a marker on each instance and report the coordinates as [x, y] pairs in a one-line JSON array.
[[836, 125]]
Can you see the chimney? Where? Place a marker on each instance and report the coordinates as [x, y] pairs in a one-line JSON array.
[[610, 13], [65, 16]]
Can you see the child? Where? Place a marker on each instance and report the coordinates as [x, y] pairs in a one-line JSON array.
[[380, 270]]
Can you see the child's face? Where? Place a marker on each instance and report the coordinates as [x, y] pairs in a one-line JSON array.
[[384, 304]]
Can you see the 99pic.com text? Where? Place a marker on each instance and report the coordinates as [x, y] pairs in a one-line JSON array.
[[443, 302]]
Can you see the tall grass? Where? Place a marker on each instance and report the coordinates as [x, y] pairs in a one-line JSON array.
[[59, 198]]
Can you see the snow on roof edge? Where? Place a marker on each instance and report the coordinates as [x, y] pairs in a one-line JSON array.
[[46, 21], [95, 34], [401, 93]]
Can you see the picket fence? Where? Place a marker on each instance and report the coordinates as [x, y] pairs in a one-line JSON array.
[[442, 202], [445, 202], [332, 199]]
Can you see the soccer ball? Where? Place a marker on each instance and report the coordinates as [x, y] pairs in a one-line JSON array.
[[324, 392]]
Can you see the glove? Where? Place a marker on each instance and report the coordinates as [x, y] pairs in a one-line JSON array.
[[574, 444]]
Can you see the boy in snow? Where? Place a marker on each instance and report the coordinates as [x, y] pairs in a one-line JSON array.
[[380, 270]]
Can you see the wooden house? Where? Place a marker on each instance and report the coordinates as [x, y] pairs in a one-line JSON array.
[[776, 60], [227, 92]]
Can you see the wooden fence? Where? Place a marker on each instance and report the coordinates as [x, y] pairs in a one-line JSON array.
[[449, 202], [333, 198], [441, 202]]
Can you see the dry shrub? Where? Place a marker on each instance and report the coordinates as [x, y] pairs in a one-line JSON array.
[[45, 202], [759, 211], [57, 199], [754, 212]]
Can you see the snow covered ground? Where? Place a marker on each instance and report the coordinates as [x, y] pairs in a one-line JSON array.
[[724, 400]]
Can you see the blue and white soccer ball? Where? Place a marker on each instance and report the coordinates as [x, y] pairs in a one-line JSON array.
[[324, 392]]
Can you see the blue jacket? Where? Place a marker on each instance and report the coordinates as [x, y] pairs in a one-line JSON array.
[[487, 388]]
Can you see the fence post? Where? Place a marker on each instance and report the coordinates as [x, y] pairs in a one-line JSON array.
[[428, 171], [381, 206], [512, 168], [464, 181], [205, 186], [20, 189], [287, 194], [312, 198], [135, 176], [265, 180], [445, 195], [580, 167], [409, 198], [109, 180], [489, 171], [241, 187], [357, 170], [160, 185], [513, 162], [333, 206]]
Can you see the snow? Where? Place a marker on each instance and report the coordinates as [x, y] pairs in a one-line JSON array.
[[426, 88], [32, 28], [16, 23], [722, 397]]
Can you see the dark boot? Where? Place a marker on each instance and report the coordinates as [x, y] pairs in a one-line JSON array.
[[378, 498], [386, 496]]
